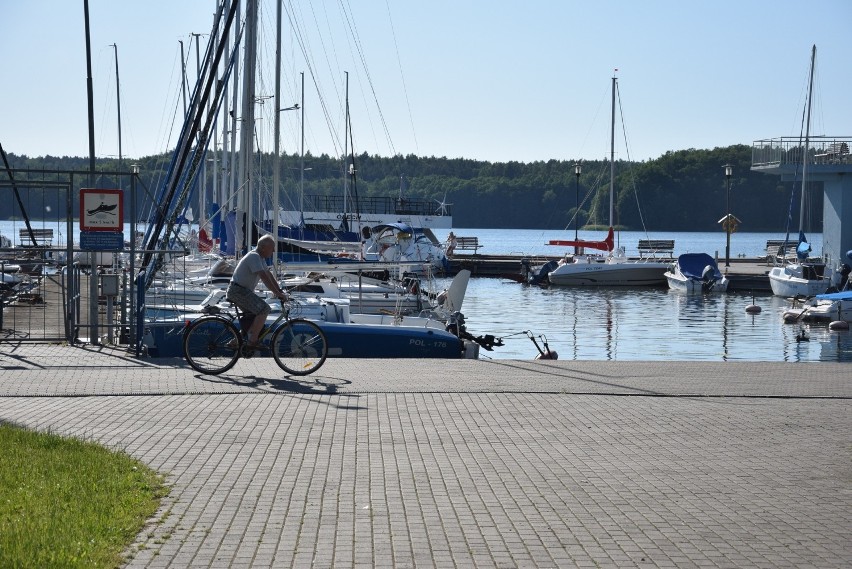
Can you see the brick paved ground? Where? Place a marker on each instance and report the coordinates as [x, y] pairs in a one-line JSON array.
[[416, 463]]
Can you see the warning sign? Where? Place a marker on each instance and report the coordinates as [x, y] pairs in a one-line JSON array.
[[101, 210]]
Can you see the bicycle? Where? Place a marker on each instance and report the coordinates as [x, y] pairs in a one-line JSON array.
[[212, 344]]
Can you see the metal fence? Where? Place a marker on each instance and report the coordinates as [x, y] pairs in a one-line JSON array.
[[822, 150], [53, 290]]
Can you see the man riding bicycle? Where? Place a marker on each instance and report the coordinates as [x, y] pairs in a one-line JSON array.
[[251, 269]]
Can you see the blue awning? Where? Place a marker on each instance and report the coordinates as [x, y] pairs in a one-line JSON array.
[[842, 295]]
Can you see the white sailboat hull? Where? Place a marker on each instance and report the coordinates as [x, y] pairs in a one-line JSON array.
[[789, 281]]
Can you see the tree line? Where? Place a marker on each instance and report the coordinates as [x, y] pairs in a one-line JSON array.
[[682, 190]]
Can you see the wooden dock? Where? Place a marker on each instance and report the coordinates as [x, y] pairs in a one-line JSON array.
[[748, 274]]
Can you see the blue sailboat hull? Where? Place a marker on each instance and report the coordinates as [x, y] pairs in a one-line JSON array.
[[165, 340]]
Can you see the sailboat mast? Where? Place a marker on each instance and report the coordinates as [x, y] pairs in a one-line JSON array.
[[807, 142], [276, 176], [346, 153], [118, 103], [231, 191], [612, 158], [245, 198], [302, 156]]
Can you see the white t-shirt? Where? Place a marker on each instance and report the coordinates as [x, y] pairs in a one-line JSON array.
[[248, 270]]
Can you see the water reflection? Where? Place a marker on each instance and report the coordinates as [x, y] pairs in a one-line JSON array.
[[643, 324]]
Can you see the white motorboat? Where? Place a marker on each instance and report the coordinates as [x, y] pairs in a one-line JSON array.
[[614, 269], [400, 243], [823, 308], [696, 273]]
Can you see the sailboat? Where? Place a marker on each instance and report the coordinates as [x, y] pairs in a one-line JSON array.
[[614, 268], [801, 278]]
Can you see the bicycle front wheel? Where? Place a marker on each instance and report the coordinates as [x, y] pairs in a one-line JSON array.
[[299, 347], [211, 345]]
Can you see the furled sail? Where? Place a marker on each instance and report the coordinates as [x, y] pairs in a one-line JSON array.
[[607, 244]]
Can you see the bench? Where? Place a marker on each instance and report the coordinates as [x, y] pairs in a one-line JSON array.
[[654, 246], [775, 250], [468, 243], [43, 237], [834, 152]]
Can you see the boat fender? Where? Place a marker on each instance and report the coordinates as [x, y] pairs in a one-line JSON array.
[[837, 325], [790, 317]]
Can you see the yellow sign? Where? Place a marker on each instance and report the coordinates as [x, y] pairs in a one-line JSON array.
[[730, 223]]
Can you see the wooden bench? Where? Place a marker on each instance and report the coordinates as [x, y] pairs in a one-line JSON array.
[[776, 251], [43, 237], [654, 246], [468, 243]]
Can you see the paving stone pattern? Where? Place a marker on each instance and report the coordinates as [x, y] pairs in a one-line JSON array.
[[417, 463]]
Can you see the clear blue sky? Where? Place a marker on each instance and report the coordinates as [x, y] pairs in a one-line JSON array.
[[478, 79]]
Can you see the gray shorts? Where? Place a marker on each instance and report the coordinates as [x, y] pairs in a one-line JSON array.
[[247, 300]]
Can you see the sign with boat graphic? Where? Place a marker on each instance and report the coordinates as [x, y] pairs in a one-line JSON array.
[[101, 210]]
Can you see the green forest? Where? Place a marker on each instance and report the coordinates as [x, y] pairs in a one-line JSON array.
[[683, 190]]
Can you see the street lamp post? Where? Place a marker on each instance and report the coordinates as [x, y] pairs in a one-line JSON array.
[[728, 172], [578, 169]]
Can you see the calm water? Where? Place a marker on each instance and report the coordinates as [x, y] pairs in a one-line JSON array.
[[635, 324], [642, 323]]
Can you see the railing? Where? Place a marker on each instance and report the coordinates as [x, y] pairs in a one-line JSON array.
[[377, 205], [822, 150]]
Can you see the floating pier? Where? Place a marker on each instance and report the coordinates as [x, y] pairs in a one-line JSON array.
[[749, 274]]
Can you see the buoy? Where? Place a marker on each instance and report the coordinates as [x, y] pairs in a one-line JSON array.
[[839, 325], [752, 308]]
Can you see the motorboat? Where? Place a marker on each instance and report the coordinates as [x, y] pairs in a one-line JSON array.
[[612, 269], [366, 295], [400, 243], [696, 273], [824, 308]]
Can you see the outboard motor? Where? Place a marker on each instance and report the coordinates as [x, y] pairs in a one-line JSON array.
[[526, 270], [708, 278], [541, 277]]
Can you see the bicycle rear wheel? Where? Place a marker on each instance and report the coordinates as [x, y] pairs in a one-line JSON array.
[[211, 345], [299, 347]]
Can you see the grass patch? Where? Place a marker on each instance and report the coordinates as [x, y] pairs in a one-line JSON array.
[[69, 503]]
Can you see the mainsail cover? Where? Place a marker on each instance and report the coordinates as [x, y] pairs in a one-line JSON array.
[[607, 244]]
